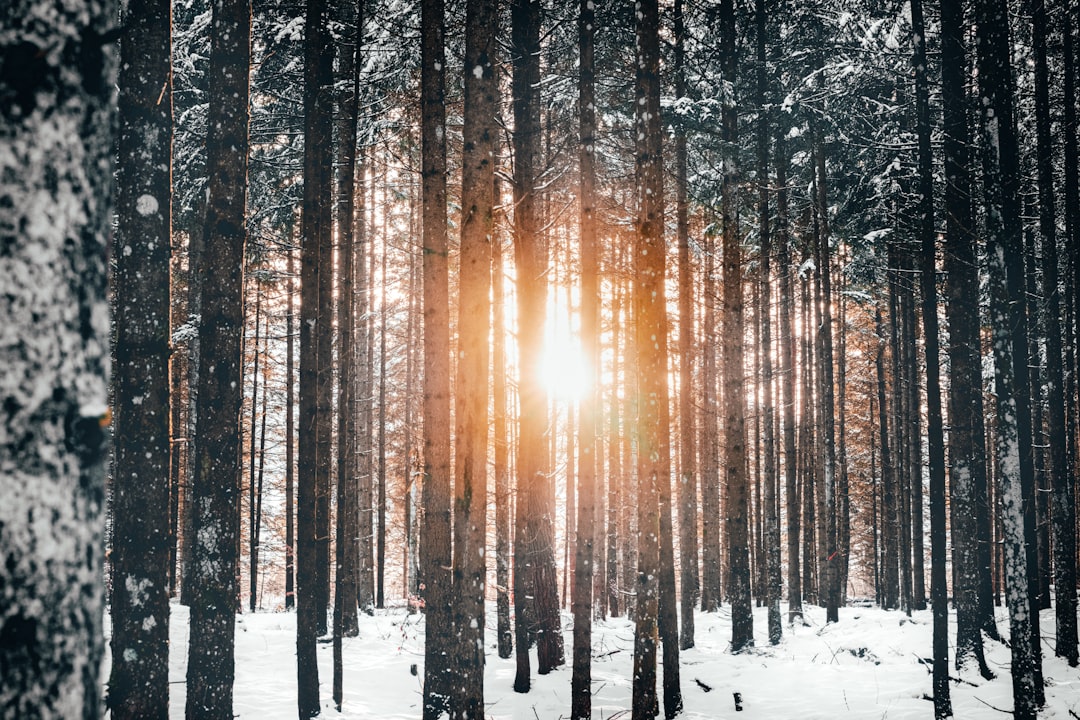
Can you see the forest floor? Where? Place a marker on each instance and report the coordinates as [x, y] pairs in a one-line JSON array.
[[872, 664]]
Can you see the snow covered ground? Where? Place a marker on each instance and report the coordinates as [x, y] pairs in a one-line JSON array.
[[866, 666]]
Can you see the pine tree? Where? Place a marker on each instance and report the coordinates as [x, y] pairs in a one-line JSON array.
[[211, 667], [435, 542], [57, 119], [471, 387], [139, 680]]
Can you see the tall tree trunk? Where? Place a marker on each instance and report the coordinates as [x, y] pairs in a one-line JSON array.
[[1061, 481], [690, 589], [830, 573], [349, 51], [435, 541], [535, 505], [771, 497], [711, 581], [581, 678], [471, 387], [807, 486], [890, 551], [900, 428], [502, 459], [253, 564], [1001, 179], [58, 123], [967, 460], [313, 323], [380, 504], [737, 510], [935, 441], [290, 435], [615, 467], [787, 372], [650, 346], [215, 484], [139, 683], [364, 243]]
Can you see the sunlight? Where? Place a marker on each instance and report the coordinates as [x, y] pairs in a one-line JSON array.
[[565, 374]]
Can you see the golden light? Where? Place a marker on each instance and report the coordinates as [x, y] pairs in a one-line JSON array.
[[564, 371]]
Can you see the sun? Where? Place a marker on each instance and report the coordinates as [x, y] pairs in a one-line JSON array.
[[563, 368]]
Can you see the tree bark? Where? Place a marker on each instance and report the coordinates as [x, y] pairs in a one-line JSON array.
[[939, 593], [650, 346], [471, 388], [688, 544], [787, 371], [139, 683], [582, 602], [215, 484], [1061, 481], [1001, 179], [435, 540], [58, 123], [314, 234]]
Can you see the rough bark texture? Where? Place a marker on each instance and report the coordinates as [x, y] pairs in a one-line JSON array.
[[471, 388], [787, 372], [650, 345], [967, 461], [711, 593], [216, 472], [737, 510], [290, 437], [688, 541], [56, 125], [1064, 509], [535, 490], [310, 605], [939, 594], [349, 58], [1009, 342], [435, 540], [581, 679], [502, 452], [140, 557], [770, 509]]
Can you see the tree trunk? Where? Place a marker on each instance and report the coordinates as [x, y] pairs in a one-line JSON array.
[[215, 484], [711, 587], [435, 541], [139, 683], [770, 511], [1001, 179], [616, 479], [349, 62], [380, 504], [967, 459], [787, 371], [471, 388], [57, 121], [535, 483], [650, 346], [315, 233], [253, 563], [688, 544], [502, 460], [939, 593], [1064, 508], [364, 242], [581, 678], [290, 436]]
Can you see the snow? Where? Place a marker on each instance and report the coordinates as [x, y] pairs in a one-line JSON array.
[[872, 664]]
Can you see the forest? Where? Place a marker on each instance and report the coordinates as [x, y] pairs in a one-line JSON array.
[[528, 327]]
